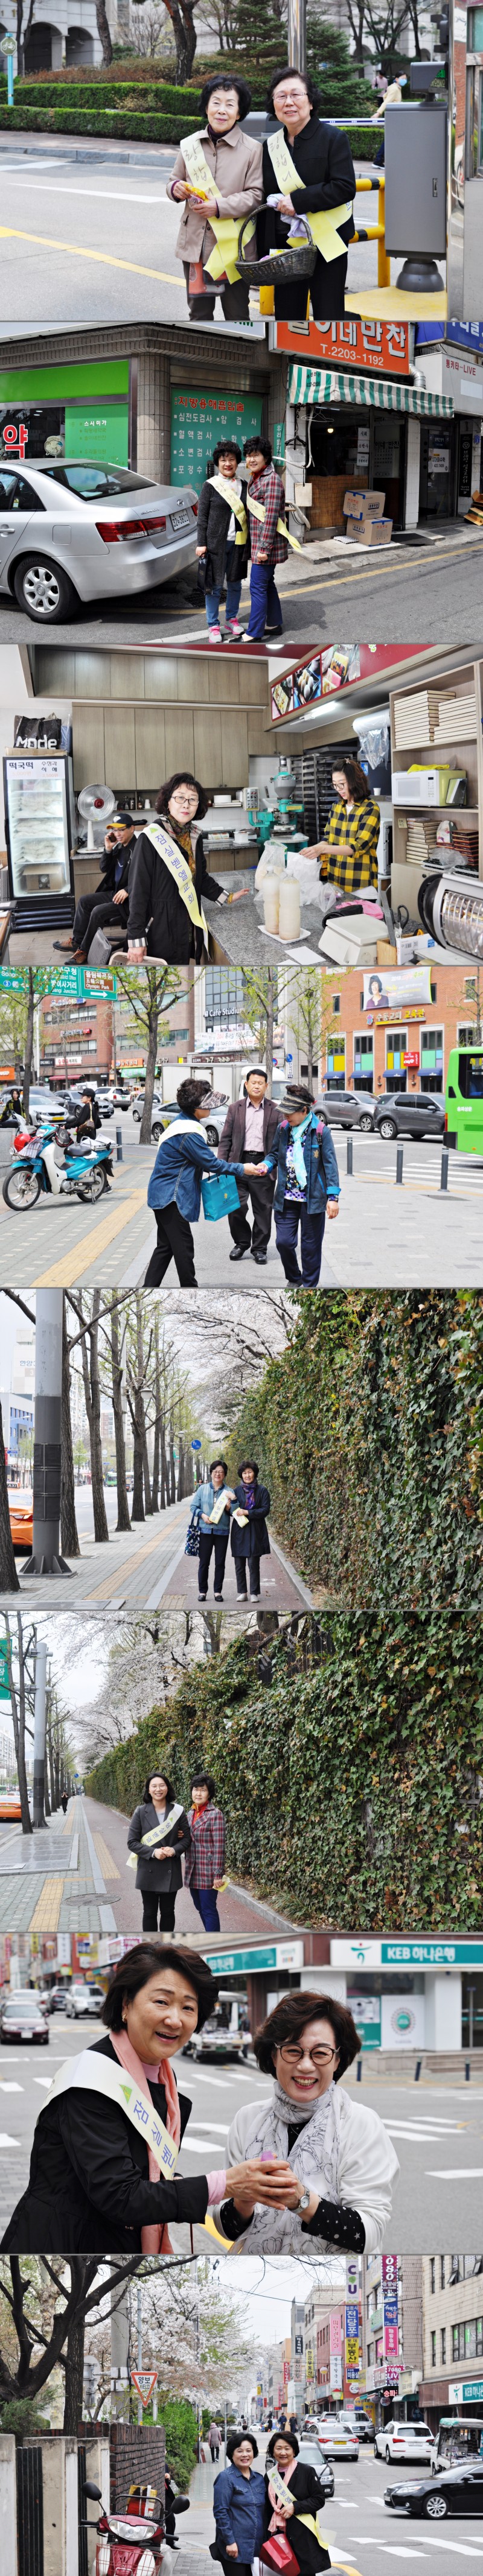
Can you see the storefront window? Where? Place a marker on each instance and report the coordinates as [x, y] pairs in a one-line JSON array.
[[363, 1060], [431, 1060], [336, 1062], [396, 1049]]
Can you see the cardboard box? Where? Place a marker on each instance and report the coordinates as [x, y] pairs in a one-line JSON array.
[[369, 532], [363, 505]]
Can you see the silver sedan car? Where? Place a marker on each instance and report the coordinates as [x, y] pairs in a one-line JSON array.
[[71, 530]]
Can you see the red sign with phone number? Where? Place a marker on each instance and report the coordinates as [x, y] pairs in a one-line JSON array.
[[381, 347]]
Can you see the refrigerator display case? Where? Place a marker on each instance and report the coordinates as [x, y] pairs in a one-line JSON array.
[[39, 812]]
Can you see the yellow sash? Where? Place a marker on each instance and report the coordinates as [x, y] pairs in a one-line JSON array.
[[258, 513], [179, 869], [228, 493], [223, 259], [95, 2074], [323, 227], [157, 1834]]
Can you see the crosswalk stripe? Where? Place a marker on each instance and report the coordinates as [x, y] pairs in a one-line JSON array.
[[455, 2173]]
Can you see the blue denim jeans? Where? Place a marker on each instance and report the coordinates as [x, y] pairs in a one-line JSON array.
[[204, 1898], [265, 603], [212, 603], [287, 1221]]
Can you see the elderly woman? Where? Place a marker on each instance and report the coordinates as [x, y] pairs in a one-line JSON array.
[[158, 1836], [169, 877], [223, 539], [239, 2506], [217, 177], [348, 854], [103, 2163], [210, 1515], [204, 1867], [297, 2513], [307, 170], [174, 1189], [332, 2183], [249, 1534]]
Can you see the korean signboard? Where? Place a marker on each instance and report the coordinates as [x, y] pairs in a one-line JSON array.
[[380, 347], [390, 2307], [395, 987], [199, 418], [352, 2343]]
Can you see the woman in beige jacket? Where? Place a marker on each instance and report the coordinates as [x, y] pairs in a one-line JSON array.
[[235, 159]]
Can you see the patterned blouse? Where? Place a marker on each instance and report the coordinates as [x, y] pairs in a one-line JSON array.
[[361, 830]]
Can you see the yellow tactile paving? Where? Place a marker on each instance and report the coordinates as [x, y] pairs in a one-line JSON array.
[[47, 1910], [112, 1581], [63, 1273], [108, 1865], [390, 304]]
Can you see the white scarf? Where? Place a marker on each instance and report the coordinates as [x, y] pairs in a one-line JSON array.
[[314, 2158]]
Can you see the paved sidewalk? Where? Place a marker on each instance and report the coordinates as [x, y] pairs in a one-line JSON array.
[[145, 1565], [74, 1877]]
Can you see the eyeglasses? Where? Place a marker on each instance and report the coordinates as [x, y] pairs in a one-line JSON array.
[[295, 2056]]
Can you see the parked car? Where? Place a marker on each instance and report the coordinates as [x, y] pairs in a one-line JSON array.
[[74, 530], [21, 1510], [403, 2442], [121, 1097], [347, 1109], [82, 1998], [337, 2441], [456, 2491], [358, 2422], [409, 1113], [22, 2017], [138, 1106], [54, 1998], [310, 2455], [105, 1103], [10, 1808]]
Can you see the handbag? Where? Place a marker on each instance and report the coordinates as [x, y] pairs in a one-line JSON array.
[[295, 261], [218, 1196], [193, 1539], [278, 2554]]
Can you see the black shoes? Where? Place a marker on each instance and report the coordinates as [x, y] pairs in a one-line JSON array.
[[258, 1256], [237, 1254]]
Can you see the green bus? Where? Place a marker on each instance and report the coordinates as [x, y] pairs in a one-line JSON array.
[[464, 1100]]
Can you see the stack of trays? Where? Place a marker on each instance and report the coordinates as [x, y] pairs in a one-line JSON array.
[[456, 718], [415, 719]]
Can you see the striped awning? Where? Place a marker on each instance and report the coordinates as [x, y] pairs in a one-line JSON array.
[[322, 385]]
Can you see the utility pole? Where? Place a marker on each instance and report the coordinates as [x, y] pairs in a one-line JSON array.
[[40, 1703], [297, 34], [140, 2344], [46, 1557]]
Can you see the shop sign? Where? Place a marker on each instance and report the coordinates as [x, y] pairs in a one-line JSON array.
[[397, 985], [464, 381], [5, 1692], [335, 2371], [392, 2374], [431, 1954], [381, 347], [468, 335], [199, 418], [462, 2392], [283, 1954], [335, 2333], [411, 1059]]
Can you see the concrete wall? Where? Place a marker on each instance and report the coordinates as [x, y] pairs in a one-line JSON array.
[[8, 2505]]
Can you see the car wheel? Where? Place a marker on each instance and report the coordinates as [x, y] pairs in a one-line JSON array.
[[366, 1125], [387, 1127], [156, 1132], [436, 2508], [43, 590], [388, 2455], [212, 1134]]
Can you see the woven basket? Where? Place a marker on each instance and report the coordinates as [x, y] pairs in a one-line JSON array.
[[281, 264]]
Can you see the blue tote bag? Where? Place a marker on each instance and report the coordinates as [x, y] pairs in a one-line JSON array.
[[218, 1196]]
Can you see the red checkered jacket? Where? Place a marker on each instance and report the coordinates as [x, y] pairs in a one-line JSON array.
[[268, 489], [205, 1860]]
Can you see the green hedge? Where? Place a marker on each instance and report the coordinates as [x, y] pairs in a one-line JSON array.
[[351, 1784], [181, 2434], [133, 128]]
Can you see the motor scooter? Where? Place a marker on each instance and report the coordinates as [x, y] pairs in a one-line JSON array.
[[131, 2543], [35, 1171]]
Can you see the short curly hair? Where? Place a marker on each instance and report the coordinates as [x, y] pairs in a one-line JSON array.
[[289, 2019], [191, 1093], [182, 778], [227, 80]]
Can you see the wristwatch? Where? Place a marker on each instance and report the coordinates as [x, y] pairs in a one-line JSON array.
[[304, 2200]]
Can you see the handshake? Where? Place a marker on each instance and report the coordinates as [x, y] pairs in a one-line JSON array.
[[274, 2183]]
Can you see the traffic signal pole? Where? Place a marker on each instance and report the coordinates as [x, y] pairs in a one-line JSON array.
[[46, 1556]]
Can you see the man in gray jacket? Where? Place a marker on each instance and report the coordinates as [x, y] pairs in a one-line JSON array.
[[250, 1128]]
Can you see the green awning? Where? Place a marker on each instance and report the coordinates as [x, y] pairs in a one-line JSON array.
[[321, 385]]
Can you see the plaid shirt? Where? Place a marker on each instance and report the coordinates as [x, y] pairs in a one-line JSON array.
[[361, 829], [268, 489], [205, 1860]]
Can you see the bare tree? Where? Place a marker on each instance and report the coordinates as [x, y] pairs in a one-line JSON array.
[[155, 986], [9, 1581], [117, 1347], [92, 1398], [18, 1701], [104, 33]]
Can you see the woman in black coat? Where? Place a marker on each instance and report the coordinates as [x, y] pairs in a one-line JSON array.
[[322, 157], [305, 2495], [90, 2189], [252, 1540], [160, 924], [158, 1871], [223, 540]]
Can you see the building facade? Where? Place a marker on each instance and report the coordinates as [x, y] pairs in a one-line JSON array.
[[452, 2334]]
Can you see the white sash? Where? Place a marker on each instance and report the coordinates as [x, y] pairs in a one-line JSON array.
[[91, 2073], [156, 1835], [223, 259], [229, 493], [324, 226], [179, 868]]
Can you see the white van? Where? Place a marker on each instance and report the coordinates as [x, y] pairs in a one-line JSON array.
[[459, 2438]]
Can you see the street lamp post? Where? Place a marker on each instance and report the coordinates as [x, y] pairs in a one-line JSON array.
[[46, 1557], [297, 34], [40, 1704]]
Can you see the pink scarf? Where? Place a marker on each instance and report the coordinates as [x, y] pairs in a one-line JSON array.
[[154, 2239], [278, 2518]]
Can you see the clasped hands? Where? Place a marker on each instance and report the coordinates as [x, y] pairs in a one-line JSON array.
[[271, 2181]]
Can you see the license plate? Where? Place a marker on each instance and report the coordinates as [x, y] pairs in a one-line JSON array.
[[181, 519]]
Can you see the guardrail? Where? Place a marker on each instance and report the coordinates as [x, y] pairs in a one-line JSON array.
[[375, 232]]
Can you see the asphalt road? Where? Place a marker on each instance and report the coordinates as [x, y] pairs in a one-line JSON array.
[[113, 232], [365, 2530], [438, 2138], [423, 592], [384, 1235]]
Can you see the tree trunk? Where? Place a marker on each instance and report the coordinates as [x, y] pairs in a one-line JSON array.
[[22, 38], [123, 1520], [18, 1718], [142, 1365], [270, 1021], [157, 1418], [50, 1758], [137, 1513], [180, 1484], [29, 1043], [68, 1523], [74, 2373], [92, 1392], [165, 1497], [103, 31], [172, 1468], [9, 1581], [156, 1463], [184, 36], [153, 1015], [47, 1798]]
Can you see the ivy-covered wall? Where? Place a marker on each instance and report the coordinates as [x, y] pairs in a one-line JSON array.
[[350, 1779]]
